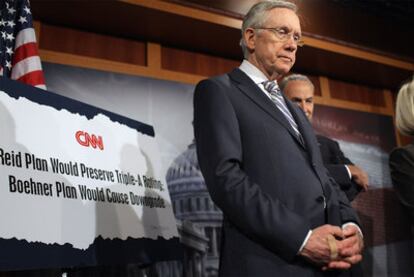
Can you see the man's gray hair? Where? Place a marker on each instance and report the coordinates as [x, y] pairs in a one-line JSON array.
[[295, 77], [404, 112], [256, 16]]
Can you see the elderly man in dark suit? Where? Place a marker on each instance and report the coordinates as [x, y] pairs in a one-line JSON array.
[[260, 159], [352, 179]]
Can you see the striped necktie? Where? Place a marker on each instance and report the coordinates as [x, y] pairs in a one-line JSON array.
[[279, 101]]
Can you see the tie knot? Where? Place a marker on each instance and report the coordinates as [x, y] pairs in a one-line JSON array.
[[272, 87]]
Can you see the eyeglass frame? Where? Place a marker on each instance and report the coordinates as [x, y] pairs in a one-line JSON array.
[[283, 37]]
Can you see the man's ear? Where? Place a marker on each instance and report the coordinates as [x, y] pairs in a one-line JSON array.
[[249, 36]]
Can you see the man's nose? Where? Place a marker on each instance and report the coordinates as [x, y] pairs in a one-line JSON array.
[[291, 44]]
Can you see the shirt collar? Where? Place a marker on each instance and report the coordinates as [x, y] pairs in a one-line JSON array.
[[253, 72]]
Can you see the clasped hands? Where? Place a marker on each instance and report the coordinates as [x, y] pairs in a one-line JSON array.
[[334, 248]]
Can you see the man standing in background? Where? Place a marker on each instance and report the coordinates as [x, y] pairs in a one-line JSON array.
[[262, 165], [352, 180]]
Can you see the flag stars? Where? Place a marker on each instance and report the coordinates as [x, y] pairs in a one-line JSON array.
[[11, 10], [16, 21], [8, 65], [23, 19], [9, 37], [27, 10], [9, 51], [10, 24]]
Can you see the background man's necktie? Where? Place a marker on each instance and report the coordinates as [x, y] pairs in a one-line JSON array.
[[277, 98]]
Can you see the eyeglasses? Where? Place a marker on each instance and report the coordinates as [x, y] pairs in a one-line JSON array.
[[283, 35]]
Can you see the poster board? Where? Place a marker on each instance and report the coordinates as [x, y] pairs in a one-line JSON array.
[[77, 185]]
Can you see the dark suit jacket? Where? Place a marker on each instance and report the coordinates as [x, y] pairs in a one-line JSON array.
[[270, 188], [334, 160], [402, 174]]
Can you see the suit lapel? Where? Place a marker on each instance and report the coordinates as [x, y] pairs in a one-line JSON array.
[[312, 145], [305, 129], [252, 91]]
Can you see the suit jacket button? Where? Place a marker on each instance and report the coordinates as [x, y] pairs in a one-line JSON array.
[[320, 199]]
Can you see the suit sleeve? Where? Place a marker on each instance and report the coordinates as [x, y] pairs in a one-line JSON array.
[[330, 157], [402, 174], [341, 176], [336, 168], [340, 157], [339, 172], [260, 217]]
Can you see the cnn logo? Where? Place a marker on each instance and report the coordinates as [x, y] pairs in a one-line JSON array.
[[87, 140]]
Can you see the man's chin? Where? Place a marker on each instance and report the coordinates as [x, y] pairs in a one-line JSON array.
[[284, 69]]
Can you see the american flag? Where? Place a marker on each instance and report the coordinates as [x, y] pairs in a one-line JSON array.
[[19, 59]]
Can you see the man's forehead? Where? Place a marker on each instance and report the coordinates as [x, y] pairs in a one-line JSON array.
[[284, 17], [301, 97], [299, 83], [299, 89]]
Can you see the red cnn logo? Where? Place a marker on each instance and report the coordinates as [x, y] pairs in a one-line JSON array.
[[87, 140]]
